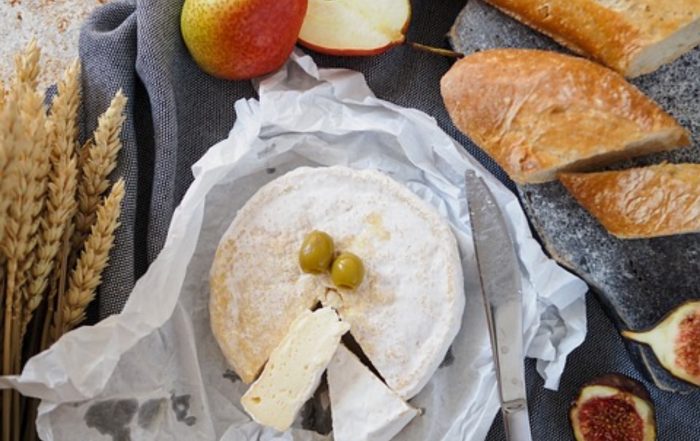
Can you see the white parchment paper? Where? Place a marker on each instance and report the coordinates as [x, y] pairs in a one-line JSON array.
[[154, 372]]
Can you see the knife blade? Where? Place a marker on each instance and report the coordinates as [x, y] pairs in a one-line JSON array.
[[499, 275]]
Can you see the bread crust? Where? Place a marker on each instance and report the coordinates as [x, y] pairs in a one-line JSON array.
[[537, 113], [660, 200], [615, 33]]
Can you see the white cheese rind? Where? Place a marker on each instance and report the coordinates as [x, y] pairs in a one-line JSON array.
[[294, 369], [405, 313], [363, 408]]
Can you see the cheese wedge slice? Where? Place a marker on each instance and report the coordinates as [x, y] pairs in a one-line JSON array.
[[294, 369], [363, 407]]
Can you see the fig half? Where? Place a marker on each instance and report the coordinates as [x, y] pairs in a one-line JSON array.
[[675, 341], [613, 408]]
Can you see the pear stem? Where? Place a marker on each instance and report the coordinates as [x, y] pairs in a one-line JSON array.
[[434, 50]]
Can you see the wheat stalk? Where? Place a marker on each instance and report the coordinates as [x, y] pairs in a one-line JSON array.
[[6, 119], [33, 112], [22, 126], [26, 173], [10, 128], [27, 65], [4, 160], [83, 152], [4, 199], [64, 113], [2, 94], [87, 274], [61, 203], [49, 193], [36, 193], [98, 160], [7, 128], [26, 126]]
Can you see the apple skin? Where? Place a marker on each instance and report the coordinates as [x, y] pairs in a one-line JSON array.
[[360, 52], [241, 39]]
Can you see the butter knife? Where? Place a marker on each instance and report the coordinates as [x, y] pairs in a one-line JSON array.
[[500, 285]]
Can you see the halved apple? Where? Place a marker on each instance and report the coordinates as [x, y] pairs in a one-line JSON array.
[[355, 27]]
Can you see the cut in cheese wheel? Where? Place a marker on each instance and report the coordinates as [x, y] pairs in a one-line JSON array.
[[404, 314], [294, 370], [363, 408]]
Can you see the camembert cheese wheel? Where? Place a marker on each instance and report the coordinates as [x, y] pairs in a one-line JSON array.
[[405, 313]]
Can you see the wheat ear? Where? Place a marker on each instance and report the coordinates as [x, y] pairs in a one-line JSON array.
[[4, 160], [7, 133], [23, 124], [93, 259], [33, 113], [27, 174], [40, 172], [61, 203], [27, 72], [27, 65], [10, 130], [98, 160], [36, 196], [3, 92], [6, 121], [27, 126]]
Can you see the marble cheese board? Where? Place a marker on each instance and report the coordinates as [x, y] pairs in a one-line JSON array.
[[638, 281]]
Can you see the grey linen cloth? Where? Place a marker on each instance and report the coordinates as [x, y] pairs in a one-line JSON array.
[[176, 112]]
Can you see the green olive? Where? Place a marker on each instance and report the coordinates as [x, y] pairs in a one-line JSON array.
[[347, 271], [316, 253]]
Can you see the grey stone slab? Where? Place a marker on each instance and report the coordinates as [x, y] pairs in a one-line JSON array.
[[638, 281]]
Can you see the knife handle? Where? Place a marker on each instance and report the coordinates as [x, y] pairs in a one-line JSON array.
[[517, 423]]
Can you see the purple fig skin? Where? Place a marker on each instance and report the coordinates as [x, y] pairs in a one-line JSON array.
[[622, 383]]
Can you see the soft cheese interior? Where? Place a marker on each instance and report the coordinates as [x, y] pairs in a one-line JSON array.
[[294, 368], [363, 407]]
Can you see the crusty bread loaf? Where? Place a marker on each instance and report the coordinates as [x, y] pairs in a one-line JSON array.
[[538, 113], [660, 200], [633, 37]]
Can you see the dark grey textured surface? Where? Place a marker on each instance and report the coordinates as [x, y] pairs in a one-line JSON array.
[[638, 281], [176, 112]]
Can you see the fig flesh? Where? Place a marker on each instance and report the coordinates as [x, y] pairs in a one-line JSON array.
[[613, 408], [675, 341]]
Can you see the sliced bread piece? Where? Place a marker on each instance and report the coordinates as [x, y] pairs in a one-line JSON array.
[[294, 369], [660, 200], [633, 37], [538, 113]]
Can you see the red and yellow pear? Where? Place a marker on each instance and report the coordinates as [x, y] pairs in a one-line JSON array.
[[241, 39]]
